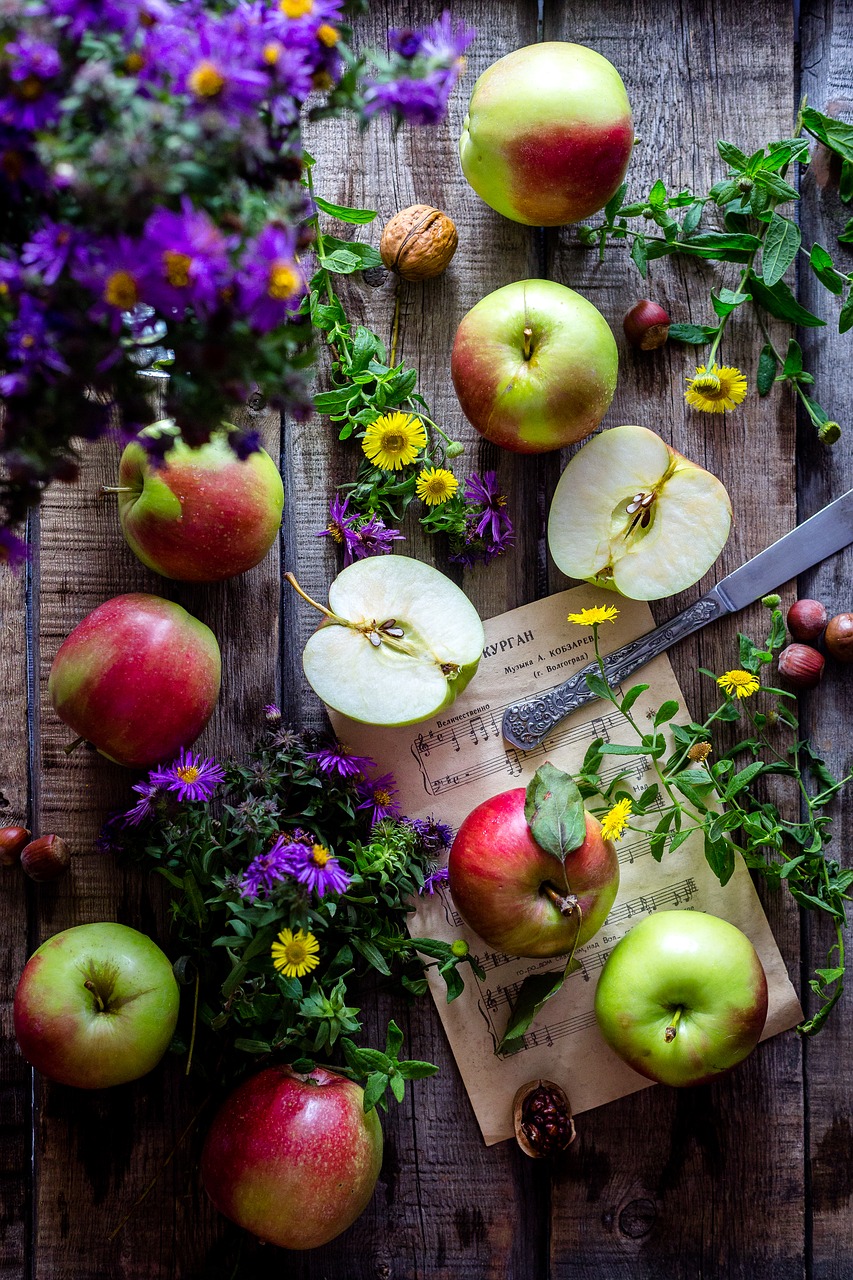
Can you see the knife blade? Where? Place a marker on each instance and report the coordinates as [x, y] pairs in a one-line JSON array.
[[527, 724]]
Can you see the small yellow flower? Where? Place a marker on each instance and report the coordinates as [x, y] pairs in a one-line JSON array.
[[615, 821], [716, 390], [699, 752], [295, 954], [739, 684], [436, 485], [592, 617], [393, 441]]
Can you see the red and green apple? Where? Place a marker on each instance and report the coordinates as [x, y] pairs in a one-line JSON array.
[[293, 1158], [202, 516], [534, 366], [682, 997], [138, 677], [548, 134], [96, 1006]]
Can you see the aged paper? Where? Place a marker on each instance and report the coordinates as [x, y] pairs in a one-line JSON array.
[[448, 765]]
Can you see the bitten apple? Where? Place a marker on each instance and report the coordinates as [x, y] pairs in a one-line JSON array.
[[202, 516], [548, 134], [96, 1006], [517, 896], [293, 1158], [138, 678], [682, 997], [631, 514], [534, 366]]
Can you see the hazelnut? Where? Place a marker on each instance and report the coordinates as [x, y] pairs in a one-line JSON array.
[[806, 620], [646, 325], [46, 858], [801, 666], [418, 242], [838, 637], [12, 841]]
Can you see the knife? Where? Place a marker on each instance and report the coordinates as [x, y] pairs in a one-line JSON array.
[[526, 724]]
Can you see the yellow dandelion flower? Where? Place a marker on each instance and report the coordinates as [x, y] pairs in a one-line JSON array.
[[615, 821], [699, 752], [295, 954], [592, 617], [436, 485], [739, 684], [393, 441], [716, 390]]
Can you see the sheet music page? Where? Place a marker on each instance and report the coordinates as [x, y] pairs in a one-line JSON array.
[[448, 765]]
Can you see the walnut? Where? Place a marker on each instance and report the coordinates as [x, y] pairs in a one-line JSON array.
[[418, 242], [542, 1119]]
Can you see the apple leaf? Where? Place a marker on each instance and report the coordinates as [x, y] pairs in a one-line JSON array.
[[535, 990], [554, 811]]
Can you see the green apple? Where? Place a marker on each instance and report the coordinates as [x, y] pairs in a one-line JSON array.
[[398, 642], [534, 366], [202, 516], [631, 514], [548, 134], [682, 997], [96, 1006]]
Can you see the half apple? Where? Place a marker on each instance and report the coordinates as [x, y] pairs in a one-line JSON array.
[[631, 514], [398, 643]]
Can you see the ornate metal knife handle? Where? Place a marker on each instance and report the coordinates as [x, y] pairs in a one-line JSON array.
[[527, 723]]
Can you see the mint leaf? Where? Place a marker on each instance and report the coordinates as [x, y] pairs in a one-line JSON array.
[[834, 134], [822, 265], [694, 334], [781, 303], [780, 248], [534, 992], [554, 811], [732, 155], [344, 213], [766, 370]]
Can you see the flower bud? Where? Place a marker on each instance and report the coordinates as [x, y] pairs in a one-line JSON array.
[[801, 666], [459, 947], [829, 433], [771, 601], [646, 325], [45, 859], [806, 620], [12, 841], [454, 449]]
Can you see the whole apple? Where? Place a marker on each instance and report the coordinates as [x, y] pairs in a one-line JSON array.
[[548, 134], [96, 1006], [202, 516], [534, 366], [514, 893], [293, 1158], [682, 997], [138, 678]]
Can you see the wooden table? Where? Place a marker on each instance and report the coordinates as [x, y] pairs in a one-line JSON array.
[[751, 1177]]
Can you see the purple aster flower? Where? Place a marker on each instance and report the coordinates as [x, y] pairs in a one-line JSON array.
[[420, 90], [319, 871], [244, 443], [439, 876], [434, 836], [271, 282], [30, 341], [337, 758], [446, 42], [150, 793], [405, 41], [209, 58], [483, 491], [378, 795], [20, 170], [80, 16], [190, 776], [49, 250], [109, 838], [270, 868], [272, 714], [370, 539], [13, 550], [112, 270], [32, 103], [340, 526], [187, 260]]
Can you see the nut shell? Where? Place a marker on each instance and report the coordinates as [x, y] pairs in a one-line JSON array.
[[45, 859], [418, 242], [806, 620], [12, 841], [525, 1136], [801, 666], [646, 325], [838, 637]]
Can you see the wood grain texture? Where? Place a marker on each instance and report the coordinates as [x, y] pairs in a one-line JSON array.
[[826, 52], [657, 1183], [15, 1115]]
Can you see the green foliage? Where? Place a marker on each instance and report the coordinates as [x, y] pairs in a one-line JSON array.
[[720, 797]]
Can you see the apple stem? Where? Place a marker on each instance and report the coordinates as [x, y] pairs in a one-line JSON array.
[[72, 746], [116, 488], [90, 986], [288, 577], [672, 1030], [566, 904], [527, 350]]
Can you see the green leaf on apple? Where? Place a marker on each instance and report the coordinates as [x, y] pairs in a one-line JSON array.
[[554, 811], [535, 991]]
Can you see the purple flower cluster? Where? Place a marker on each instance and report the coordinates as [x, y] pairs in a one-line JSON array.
[[189, 777], [488, 528], [300, 859], [359, 535], [433, 62], [377, 795], [434, 836]]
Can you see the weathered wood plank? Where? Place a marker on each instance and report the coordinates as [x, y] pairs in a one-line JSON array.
[[15, 1117], [97, 1153], [826, 53], [658, 1182]]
